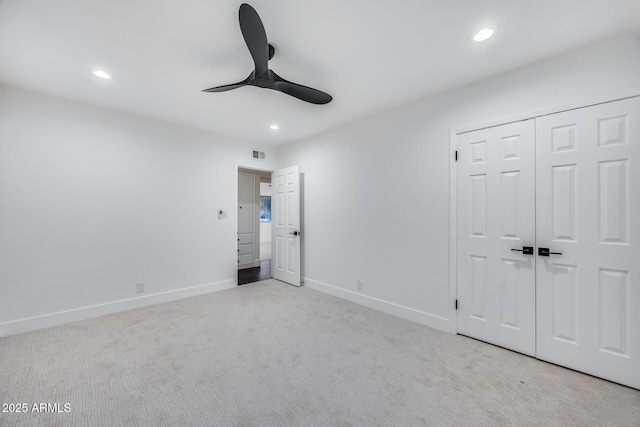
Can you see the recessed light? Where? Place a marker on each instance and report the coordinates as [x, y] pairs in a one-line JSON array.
[[274, 127], [102, 74], [483, 34]]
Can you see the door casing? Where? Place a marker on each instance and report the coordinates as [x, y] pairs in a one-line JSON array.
[[241, 168]]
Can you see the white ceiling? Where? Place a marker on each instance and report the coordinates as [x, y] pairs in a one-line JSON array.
[[371, 56]]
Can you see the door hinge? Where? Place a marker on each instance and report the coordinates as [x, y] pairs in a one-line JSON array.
[[456, 155], [456, 304]]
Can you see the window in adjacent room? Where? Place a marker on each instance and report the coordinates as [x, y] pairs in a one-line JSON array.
[[265, 208]]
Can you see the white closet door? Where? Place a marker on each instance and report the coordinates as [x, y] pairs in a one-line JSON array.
[[496, 214], [246, 220], [588, 192]]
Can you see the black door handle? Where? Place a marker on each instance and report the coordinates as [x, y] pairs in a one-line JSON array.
[[295, 233], [545, 252], [526, 250]]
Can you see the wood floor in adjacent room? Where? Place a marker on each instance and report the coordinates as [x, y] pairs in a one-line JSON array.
[[270, 354], [255, 274]]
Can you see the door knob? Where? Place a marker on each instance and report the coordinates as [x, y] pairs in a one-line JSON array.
[[526, 250], [295, 233], [545, 252]]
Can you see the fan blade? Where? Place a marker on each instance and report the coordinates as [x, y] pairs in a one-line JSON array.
[[304, 93], [255, 37], [225, 88]]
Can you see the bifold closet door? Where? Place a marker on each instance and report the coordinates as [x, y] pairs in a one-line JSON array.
[[588, 216], [496, 220]]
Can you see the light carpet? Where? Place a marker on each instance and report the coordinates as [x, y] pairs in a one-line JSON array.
[[269, 354]]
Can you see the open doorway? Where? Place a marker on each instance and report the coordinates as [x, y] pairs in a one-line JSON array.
[[254, 225]]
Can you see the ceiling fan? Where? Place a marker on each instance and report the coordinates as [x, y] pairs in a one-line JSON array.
[[261, 51]]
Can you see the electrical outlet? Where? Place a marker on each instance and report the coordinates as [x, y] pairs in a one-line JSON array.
[[140, 287], [360, 285]]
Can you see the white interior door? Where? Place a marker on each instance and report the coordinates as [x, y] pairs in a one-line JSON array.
[[496, 218], [588, 190], [285, 223]]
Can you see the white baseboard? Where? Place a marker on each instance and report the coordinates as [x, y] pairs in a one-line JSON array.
[[430, 320], [59, 318]]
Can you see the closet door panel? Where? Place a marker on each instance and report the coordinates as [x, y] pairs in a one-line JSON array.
[[496, 208], [588, 287]]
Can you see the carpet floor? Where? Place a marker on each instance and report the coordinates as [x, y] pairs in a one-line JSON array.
[[269, 354]]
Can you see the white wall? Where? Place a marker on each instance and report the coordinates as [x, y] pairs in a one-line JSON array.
[[377, 192], [93, 201]]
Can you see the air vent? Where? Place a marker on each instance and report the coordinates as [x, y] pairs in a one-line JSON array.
[[259, 155]]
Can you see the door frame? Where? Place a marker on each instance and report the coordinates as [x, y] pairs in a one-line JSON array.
[[453, 173], [239, 168]]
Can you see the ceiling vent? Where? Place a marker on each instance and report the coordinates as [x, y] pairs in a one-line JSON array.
[[259, 155]]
